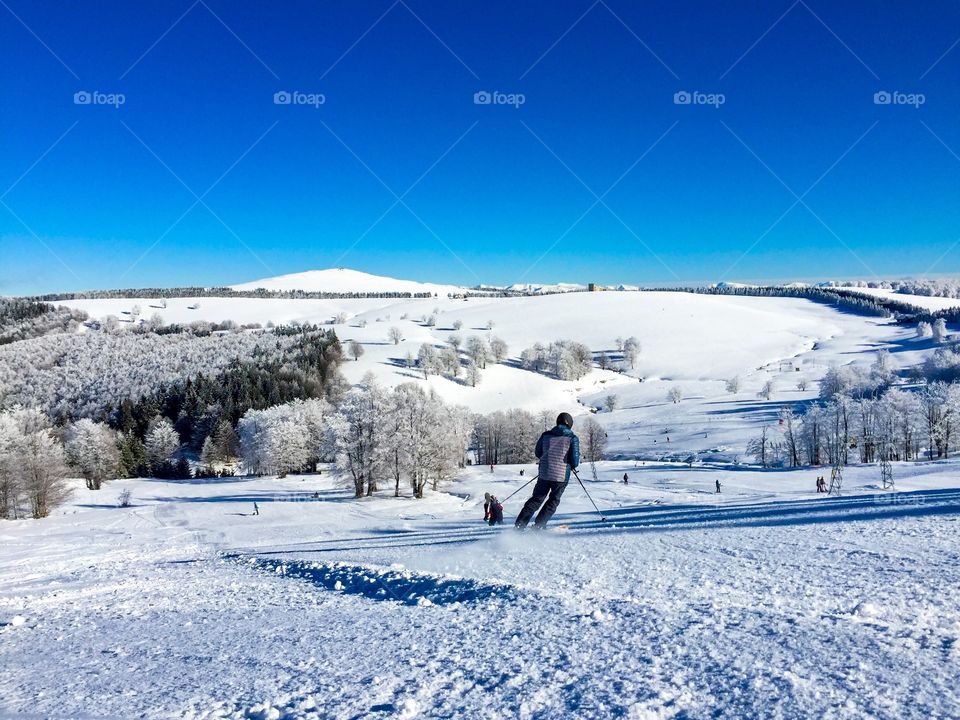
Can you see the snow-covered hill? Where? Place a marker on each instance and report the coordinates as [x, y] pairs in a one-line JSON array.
[[344, 280]]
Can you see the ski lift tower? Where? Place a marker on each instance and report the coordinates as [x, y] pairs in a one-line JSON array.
[[886, 469], [836, 479]]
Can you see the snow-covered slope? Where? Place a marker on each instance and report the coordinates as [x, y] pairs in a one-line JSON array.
[[925, 301], [764, 601], [344, 280]]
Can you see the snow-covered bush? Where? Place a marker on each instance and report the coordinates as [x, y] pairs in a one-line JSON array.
[[675, 394]]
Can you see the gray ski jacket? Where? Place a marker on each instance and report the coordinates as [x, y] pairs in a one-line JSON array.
[[559, 452]]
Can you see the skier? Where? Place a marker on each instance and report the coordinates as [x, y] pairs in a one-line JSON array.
[[559, 453], [521, 472], [718, 486], [256, 509], [492, 510], [491, 467], [625, 479]]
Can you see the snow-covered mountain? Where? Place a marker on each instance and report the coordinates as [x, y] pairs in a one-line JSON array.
[[541, 288], [344, 280]]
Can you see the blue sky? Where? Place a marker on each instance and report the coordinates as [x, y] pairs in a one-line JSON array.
[[199, 177]]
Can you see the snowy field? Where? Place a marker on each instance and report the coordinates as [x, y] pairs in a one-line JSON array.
[[764, 601], [694, 341]]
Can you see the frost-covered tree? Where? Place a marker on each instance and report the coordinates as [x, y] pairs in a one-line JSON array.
[[286, 438], [161, 441], [940, 330], [534, 358], [762, 448], [11, 480], [766, 391], [450, 360], [222, 445], [478, 351], [473, 373], [802, 384], [610, 402], [603, 360], [340, 318], [675, 395], [631, 351], [733, 385], [359, 437], [44, 471], [92, 449], [428, 360], [455, 341], [395, 335], [355, 349], [498, 350], [593, 440], [457, 324], [924, 329]]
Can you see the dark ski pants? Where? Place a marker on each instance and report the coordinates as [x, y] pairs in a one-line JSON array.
[[543, 490]]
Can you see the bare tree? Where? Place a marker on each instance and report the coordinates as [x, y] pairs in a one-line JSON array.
[[593, 440], [498, 349], [766, 392], [631, 350], [473, 373], [395, 335], [355, 349]]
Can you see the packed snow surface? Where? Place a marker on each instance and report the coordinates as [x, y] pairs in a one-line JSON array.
[[767, 600]]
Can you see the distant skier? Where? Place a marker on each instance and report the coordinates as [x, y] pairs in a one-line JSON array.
[[559, 452], [491, 467], [256, 509], [521, 472], [625, 479], [718, 486], [492, 510]]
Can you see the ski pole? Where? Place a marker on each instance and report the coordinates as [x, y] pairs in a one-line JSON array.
[[518, 490], [602, 518]]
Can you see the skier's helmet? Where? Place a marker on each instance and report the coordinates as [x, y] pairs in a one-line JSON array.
[[565, 419]]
